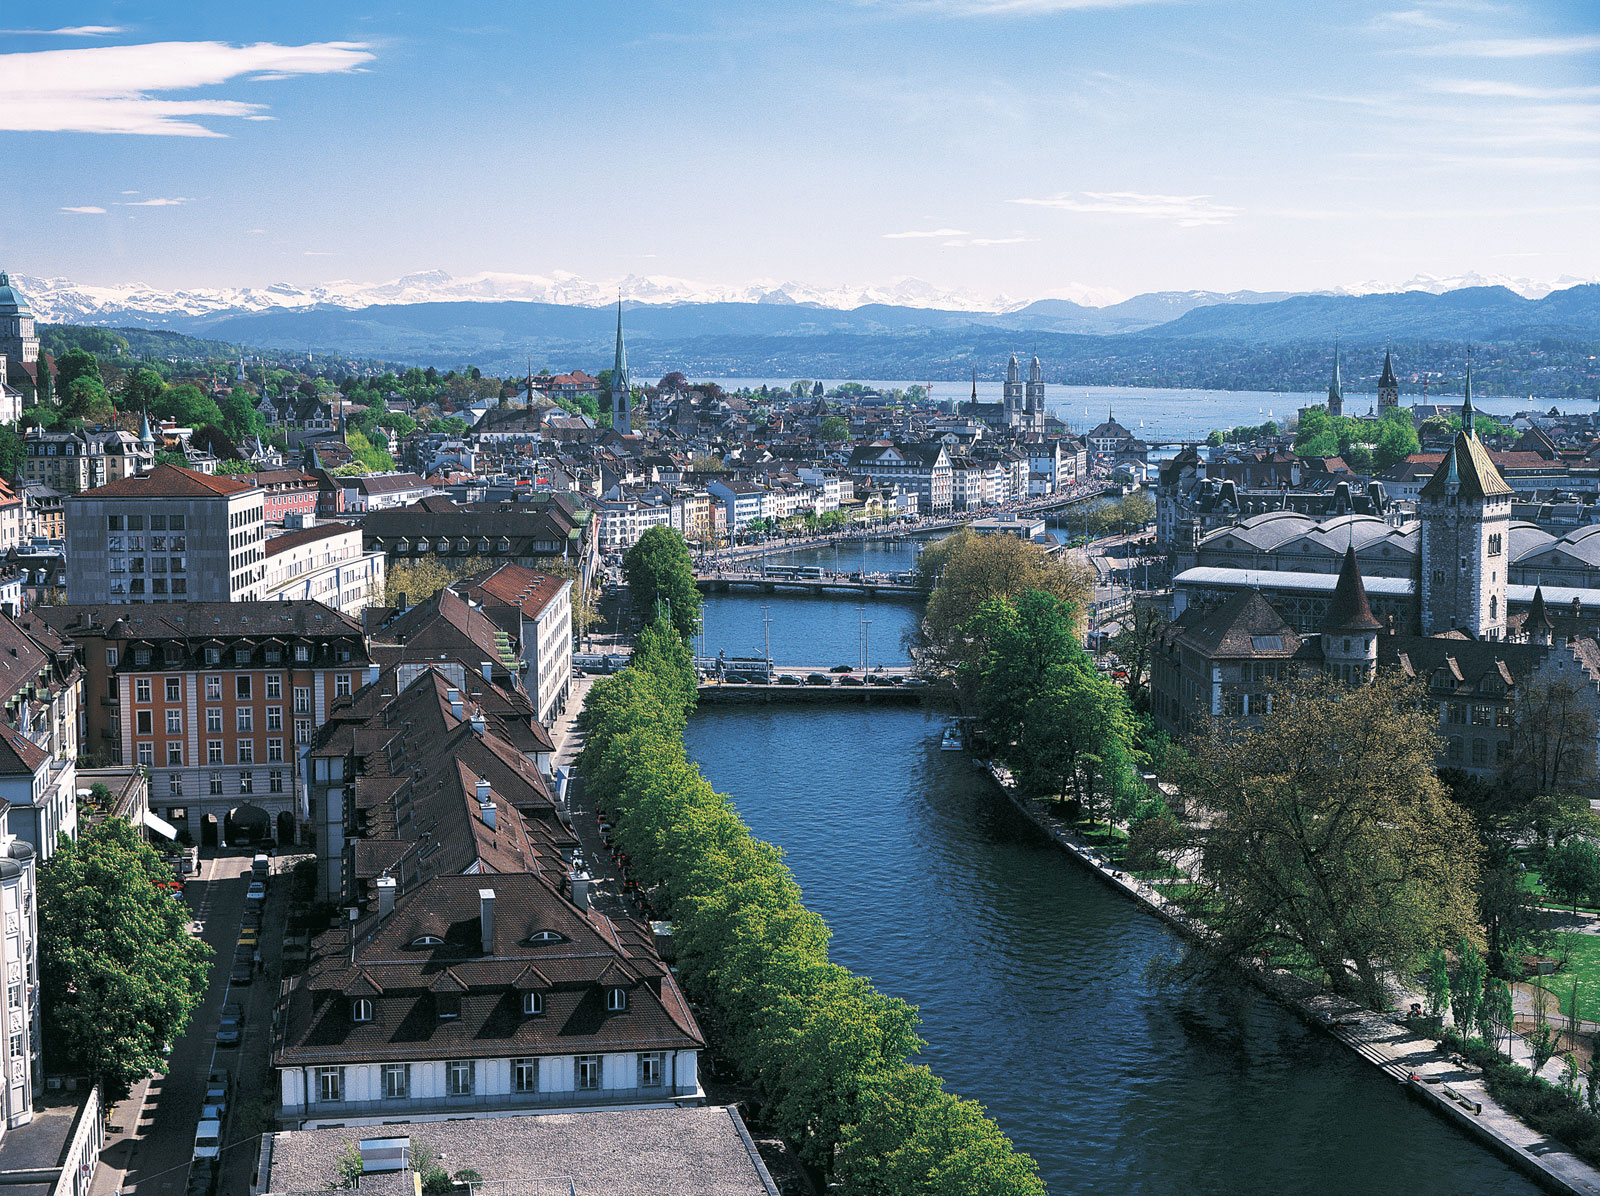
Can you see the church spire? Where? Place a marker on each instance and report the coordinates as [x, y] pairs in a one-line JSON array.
[[620, 392], [1336, 385], [1469, 416], [1386, 380]]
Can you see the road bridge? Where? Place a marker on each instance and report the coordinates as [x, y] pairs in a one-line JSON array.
[[721, 580]]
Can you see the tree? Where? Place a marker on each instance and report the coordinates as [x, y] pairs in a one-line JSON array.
[[141, 390], [11, 452], [419, 580], [1495, 1013], [1437, 985], [170, 457], [85, 398], [1466, 988], [1543, 1039], [371, 458], [1396, 442], [706, 463], [834, 427], [1553, 745], [119, 972], [1134, 645], [75, 364], [187, 406], [349, 1168], [660, 573], [44, 389], [1572, 871], [1332, 835], [239, 416]]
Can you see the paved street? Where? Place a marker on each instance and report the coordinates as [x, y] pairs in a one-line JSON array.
[[149, 1151]]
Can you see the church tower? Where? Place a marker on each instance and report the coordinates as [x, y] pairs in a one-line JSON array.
[[972, 408], [1013, 395], [1336, 386], [1388, 385], [1466, 526], [18, 343], [1350, 635], [1035, 399], [621, 394]]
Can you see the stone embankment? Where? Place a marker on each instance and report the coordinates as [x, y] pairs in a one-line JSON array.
[[1450, 1087]]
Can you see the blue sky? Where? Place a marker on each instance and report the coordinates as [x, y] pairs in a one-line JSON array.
[[1029, 147]]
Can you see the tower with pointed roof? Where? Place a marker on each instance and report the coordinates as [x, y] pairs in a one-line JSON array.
[[1465, 509], [1033, 409], [1336, 385], [1350, 633], [1013, 394], [1537, 626], [621, 394], [972, 409], [1388, 385], [18, 343]]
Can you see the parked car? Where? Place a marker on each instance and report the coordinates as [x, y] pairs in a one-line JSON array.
[[736, 679], [257, 891], [788, 679], [760, 679], [216, 1096], [878, 679], [244, 968], [229, 1029], [818, 679], [261, 866], [207, 1138], [841, 668], [914, 683], [851, 681]]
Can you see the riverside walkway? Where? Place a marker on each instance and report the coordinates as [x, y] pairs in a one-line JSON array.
[[720, 580]]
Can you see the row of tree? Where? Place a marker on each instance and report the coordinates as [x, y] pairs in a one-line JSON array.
[[1364, 444], [827, 1054]]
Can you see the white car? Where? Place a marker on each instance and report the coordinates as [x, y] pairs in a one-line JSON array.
[[208, 1138], [257, 891]]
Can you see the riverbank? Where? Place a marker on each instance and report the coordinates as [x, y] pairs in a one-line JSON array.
[[1452, 1090]]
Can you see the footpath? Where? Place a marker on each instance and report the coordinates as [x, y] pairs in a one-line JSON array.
[[1451, 1087]]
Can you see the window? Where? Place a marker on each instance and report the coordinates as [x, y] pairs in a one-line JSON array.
[[214, 720], [214, 751], [241, 655], [14, 996], [588, 1071], [396, 1081], [247, 751], [274, 751], [247, 782], [330, 1083], [175, 523], [1454, 751], [274, 715], [111, 658], [1494, 544], [532, 1003], [274, 686], [158, 523], [1480, 751], [302, 653], [275, 780], [214, 689], [141, 656], [302, 699], [525, 1075], [341, 685], [174, 722], [174, 754], [241, 687], [616, 999], [215, 784], [1482, 715], [141, 689], [245, 719], [147, 754], [651, 1069], [427, 940], [1458, 712], [114, 523], [174, 784], [143, 722], [302, 730], [361, 1010], [461, 1076], [274, 655], [545, 936]]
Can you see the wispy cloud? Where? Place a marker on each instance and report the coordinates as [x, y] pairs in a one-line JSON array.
[[1001, 240], [157, 203], [1494, 89], [1186, 211], [915, 234], [112, 89], [67, 31], [999, 8], [85, 210], [1513, 47]]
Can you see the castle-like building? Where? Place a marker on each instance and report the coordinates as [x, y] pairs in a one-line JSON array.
[[1024, 401]]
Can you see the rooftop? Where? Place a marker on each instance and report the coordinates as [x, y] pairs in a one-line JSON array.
[[169, 481]]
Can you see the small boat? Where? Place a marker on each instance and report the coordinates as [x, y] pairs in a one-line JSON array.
[[952, 741]]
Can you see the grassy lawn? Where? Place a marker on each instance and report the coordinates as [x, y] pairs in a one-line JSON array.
[[1533, 882], [1582, 955]]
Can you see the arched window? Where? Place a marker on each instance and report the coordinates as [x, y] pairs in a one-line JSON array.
[[427, 940], [545, 936], [616, 1000], [1494, 606], [361, 1010], [532, 1003]]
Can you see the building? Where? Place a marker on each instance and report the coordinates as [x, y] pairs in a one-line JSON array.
[[64, 461], [172, 535], [621, 1152], [285, 494], [922, 468], [383, 491], [216, 699], [41, 698], [535, 610], [324, 563], [43, 513], [1336, 386], [621, 384], [742, 502], [1388, 385], [547, 526], [19, 344], [21, 1045]]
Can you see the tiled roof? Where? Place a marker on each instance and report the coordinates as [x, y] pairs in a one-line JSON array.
[[1245, 626], [170, 481]]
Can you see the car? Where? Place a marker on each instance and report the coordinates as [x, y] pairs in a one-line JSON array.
[[851, 681], [878, 679], [818, 679], [914, 683], [788, 679], [207, 1138], [841, 668], [229, 1028], [736, 679], [249, 935], [244, 969], [760, 679], [257, 891]]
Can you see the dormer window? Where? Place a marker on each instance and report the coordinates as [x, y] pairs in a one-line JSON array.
[[361, 1010], [532, 1003], [427, 940], [616, 999], [449, 1006], [545, 936]]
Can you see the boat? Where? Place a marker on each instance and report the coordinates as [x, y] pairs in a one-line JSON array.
[[952, 741]]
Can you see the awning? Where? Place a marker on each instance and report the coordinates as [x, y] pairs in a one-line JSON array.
[[160, 825]]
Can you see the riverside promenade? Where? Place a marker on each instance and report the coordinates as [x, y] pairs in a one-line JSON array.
[[1453, 1090]]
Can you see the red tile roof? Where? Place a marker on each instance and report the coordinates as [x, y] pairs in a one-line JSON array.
[[170, 481]]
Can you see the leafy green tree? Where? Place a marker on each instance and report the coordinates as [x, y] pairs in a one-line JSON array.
[[239, 416], [120, 974], [11, 453], [1572, 870], [1466, 987], [75, 364], [834, 427], [1215, 440], [44, 391], [371, 458], [235, 468], [85, 398], [1437, 984], [1494, 1012], [660, 573], [141, 390], [187, 405], [1396, 442], [1024, 640]]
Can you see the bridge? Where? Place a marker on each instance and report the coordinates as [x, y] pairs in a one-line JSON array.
[[722, 580]]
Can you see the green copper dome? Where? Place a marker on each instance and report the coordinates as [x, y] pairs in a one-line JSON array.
[[11, 303]]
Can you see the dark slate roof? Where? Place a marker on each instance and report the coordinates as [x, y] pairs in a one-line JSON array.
[[200, 621], [1245, 626], [1349, 609]]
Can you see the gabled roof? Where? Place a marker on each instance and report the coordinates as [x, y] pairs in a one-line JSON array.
[[1245, 626], [170, 481]]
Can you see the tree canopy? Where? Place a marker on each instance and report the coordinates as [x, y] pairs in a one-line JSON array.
[[660, 574]]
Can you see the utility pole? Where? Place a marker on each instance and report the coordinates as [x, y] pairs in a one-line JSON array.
[[766, 627]]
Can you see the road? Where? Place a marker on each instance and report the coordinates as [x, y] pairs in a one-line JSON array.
[[154, 1140]]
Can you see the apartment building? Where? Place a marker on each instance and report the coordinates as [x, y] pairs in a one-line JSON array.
[[535, 610], [742, 502], [171, 535], [923, 468], [20, 1037], [325, 564], [216, 699]]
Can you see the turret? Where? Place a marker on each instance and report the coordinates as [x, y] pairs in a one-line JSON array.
[[1388, 385], [1537, 625], [1350, 634]]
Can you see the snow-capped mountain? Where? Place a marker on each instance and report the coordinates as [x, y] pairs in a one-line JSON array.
[[1528, 288]]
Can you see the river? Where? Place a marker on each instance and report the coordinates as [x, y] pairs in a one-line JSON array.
[[1030, 977]]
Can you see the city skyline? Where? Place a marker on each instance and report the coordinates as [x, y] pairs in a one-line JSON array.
[[1082, 149]]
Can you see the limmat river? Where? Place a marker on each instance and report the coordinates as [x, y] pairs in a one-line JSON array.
[[1030, 975]]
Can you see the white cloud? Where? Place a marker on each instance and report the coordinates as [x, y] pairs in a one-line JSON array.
[[1493, 89], [111, 89], [1186, 211], [1000, 8], [919, 233], [1002, 240], [85, 210], [68, 31], [157, 203], [1514, 47]]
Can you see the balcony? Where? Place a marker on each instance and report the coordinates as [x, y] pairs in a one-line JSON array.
[[418, 1106]]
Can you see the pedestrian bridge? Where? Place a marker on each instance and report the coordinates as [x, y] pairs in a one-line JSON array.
[[721, 581]]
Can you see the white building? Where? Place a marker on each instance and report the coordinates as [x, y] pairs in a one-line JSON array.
[[535, 610], [325, 564], [742, 502]]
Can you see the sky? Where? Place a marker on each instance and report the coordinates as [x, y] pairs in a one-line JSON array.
[[1026, 148]]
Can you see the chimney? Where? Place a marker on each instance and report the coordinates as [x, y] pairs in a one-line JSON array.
[[454, 696], [372, 673], [486, 920], [480, 725], [387, 887], [487, 668], [581, 885]]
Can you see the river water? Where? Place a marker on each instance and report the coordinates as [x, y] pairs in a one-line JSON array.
[[1030, 975]]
